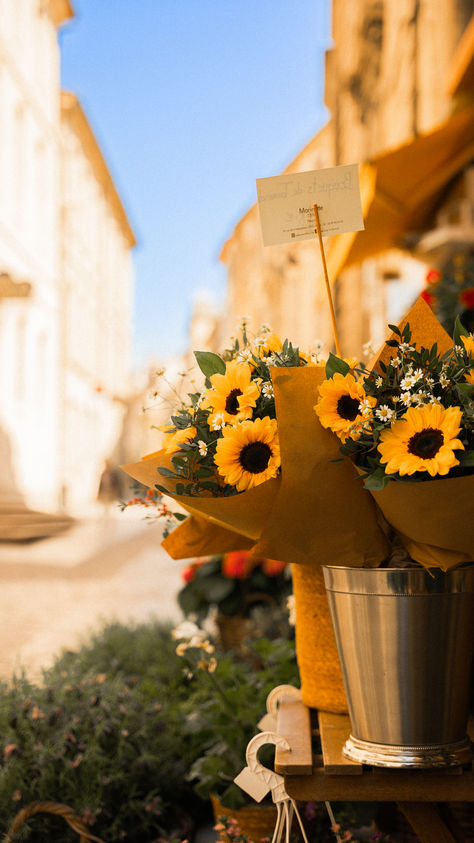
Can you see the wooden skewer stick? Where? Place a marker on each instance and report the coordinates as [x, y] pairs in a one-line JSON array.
[[326, 279]]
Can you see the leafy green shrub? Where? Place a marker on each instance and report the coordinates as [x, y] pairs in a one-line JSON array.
[[104, 735], [226, 700], [130, 737]]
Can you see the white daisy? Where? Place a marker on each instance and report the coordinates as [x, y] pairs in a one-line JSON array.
[[202, 448], [384, 413], [218, 421], [267, 389]]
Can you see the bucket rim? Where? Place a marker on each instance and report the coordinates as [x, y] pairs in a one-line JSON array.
[[398, 581]]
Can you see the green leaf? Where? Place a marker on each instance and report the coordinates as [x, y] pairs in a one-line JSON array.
[[180, 516], [464, 390], [214, 588], [466, 458], [209, 363], [166, 472], [190, 600], [459, 331], [394, 329], [335, 364], [377, 481]]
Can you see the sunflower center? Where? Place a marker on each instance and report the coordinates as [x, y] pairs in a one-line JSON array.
[[348, 408], [231, 402], [426, 443], [255, 457]]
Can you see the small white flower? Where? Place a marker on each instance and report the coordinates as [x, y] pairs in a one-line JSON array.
[[418, 374], [420, 398], [218, 422], [378, 381], [270, 360], [429, 381], [407, 399], [444, 381], [260, 342], [368, 349], [187, 629], [404, 347], [459, 349], [395, 399], [265, 328], [384, 413], [364, 407], [267, 389], [395, 362], [435, 400], [408, 382], [202, 448], [244, 356]]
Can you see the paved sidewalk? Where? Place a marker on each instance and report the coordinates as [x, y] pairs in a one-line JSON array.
[[54, 592]]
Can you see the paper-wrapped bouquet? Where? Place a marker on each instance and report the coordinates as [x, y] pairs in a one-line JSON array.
[[255, 459]]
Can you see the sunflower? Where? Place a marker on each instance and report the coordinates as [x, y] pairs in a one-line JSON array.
[[338, 404], [174, 438], [234, 394], [423, 439], [248, 453]]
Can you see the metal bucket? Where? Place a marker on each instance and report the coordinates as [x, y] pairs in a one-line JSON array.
[[405, 641]]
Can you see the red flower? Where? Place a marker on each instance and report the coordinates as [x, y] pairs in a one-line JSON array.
[[189, 573], [273, 567], [428, 297], [237, 564], [466, 297], [432, 276]]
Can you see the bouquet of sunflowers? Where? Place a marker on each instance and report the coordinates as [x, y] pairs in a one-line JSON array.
[[410, 418], [403, 420], [226, 440]]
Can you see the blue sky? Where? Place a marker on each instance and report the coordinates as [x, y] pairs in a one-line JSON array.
[[191, 101]]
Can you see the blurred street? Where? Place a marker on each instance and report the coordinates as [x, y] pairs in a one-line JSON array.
[[55, 591]]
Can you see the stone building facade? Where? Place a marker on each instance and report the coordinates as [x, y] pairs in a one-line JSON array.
[[66, 278], [400, 90]]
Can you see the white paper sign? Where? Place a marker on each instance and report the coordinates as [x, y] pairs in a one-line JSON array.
[[286, 204]]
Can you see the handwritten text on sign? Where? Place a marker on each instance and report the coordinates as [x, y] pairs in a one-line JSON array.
[[286, 204]]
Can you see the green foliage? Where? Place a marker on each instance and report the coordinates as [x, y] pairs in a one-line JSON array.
[[129, 738], [335, 364], [103, 734], [209, 363], [223, 708]]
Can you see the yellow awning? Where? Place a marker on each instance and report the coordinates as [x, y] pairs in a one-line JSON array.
[[401, 188]]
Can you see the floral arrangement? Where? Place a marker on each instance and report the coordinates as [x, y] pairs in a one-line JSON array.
[[232, 582], [225, 439], [411, 418], [450, 292]]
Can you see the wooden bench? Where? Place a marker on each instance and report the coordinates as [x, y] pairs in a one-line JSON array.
[[333, 778]]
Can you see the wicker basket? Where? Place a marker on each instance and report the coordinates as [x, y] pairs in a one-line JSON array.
[[256, 821], [320, 672], [56, 808]]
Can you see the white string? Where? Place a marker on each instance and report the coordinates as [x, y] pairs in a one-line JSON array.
[[333, 822], [295, 807], [278, 829]]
